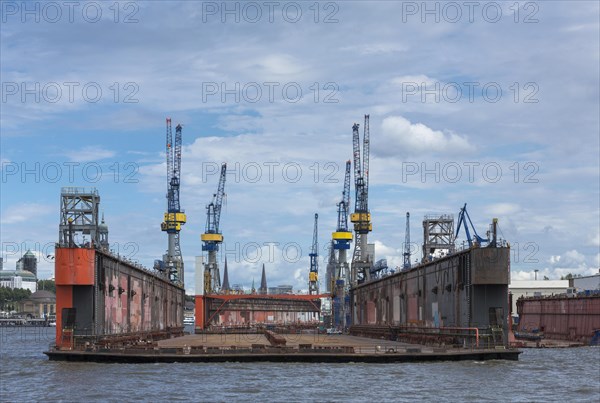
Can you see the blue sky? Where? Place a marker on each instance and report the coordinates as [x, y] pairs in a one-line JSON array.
[[496, 106]]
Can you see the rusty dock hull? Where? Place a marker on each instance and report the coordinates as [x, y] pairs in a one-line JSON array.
[[462, 297], [562, 317], [101, 297]]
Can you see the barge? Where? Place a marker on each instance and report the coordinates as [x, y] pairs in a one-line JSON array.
[[573, 318]]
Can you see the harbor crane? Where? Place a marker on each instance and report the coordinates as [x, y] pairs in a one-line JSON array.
[[313, 275], [406, 253], [342, 236], [341, 239], [212, 237], [361, 218], [464, 220], [174, 218]]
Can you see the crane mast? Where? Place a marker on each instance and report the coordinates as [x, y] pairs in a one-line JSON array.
[[341, 239], [212, 237], [342, 236], [406, 253], [174, 218], [361, 218], [313, 275]]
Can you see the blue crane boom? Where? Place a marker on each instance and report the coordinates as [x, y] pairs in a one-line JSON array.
[[213, 215], [465, 220], [212, 237], [344, 204]]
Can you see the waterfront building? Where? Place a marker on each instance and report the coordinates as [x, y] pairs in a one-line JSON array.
[[41, 304]]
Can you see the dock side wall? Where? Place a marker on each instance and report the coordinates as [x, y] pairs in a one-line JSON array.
[[560, 317], [99, 294], [466, 289]]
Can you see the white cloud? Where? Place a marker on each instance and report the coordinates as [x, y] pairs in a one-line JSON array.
[[90, 153], [573, 257], [26, 212], [504, 209], [417, 80], [554, 259], [595, 240], [400, 137], [376, 48], [276, 66], [571, 261]]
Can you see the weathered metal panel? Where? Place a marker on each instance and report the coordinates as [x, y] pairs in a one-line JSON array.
[[560, 317], [490, 266], [122, 299], [74, 266], [466, 289]]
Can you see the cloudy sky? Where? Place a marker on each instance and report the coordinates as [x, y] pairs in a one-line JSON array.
[[488, 104]]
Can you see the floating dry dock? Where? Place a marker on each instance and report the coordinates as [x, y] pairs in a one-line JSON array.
[[295, 348]]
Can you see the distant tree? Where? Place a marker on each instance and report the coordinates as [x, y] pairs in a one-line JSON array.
[[567, 277], [48, 285], [9, 296]]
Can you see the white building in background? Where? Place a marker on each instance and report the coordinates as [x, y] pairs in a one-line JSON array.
[[25, 275], [535, 288], [586, 283], [18, 279]]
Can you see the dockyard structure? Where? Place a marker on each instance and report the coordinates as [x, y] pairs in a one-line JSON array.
[[457, 295], [234, 309], [466, 290], [573, 317], [99, 294]]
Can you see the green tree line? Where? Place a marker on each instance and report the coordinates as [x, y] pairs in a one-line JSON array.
[[10, 297], [47, 285]]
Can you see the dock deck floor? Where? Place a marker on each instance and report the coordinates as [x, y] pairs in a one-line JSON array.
[[292, 340], [298, 348]]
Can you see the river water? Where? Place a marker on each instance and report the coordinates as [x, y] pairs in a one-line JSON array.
[[541, 375]]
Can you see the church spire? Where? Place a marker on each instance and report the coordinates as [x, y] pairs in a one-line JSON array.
[[263, 282], [225, 287]]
